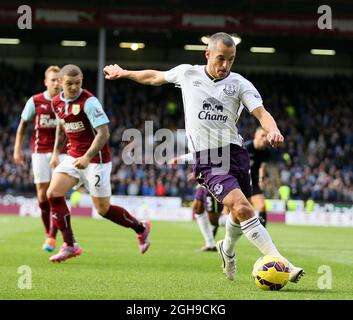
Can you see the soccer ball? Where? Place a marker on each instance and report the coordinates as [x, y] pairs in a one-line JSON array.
[[271, 272]]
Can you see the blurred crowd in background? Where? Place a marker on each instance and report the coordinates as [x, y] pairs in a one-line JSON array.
[[314, 114]]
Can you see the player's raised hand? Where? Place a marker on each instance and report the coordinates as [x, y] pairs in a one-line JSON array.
[[173, 162], [113, 72], [275, 138], [191, 177]]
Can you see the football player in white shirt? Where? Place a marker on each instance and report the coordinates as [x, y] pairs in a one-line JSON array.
[[213, 99]]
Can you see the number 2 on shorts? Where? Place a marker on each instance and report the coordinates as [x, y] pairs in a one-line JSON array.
[[98, 184]]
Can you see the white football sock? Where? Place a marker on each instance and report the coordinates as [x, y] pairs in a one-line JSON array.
[[206, 229], [259, 236], [233, 233], [222, 220]]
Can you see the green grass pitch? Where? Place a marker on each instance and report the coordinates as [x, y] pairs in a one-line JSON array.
[[112, 268]]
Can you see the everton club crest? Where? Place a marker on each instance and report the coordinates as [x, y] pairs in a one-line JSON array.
[[229, 89]]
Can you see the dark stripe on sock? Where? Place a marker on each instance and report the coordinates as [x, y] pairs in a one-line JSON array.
[[248, 223], [253, 225]]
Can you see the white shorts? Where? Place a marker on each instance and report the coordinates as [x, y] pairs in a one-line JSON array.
[[95, 178], [42, 171]]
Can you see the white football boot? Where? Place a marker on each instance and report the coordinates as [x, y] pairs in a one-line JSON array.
[[229, 263]]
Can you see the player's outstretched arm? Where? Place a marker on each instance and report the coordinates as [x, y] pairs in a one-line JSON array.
[[185, 158], [274, 136], [148, 77], [20, 134]]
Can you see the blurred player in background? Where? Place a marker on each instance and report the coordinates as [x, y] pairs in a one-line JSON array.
[[208, 212], [259, 154], [84, 123], [214, 98], [205, 208], [38, 110]]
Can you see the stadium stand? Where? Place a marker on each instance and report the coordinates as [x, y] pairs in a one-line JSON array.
[[313, 113]]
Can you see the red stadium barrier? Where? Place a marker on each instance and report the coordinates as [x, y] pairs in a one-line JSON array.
[[242, 22]]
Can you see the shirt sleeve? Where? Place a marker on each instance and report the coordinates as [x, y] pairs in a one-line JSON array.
[[249, 96], [188, 158], [95, 112], [29, 110], [175, 75]]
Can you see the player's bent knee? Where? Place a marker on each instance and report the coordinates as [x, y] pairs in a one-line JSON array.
[[102, 209], [243, 212], [102, 213], [42, 196], [51, 194]]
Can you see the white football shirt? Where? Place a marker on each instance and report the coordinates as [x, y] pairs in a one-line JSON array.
[[212, 107]]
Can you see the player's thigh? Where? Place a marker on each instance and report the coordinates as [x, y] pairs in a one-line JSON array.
[[41, 167], [96, 178], [101, 204], [65, 176], [197, 207], [60, 184], [258, 201], [228, 190]]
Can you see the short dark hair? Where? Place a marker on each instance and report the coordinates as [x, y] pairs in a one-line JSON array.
[[220, 36], [70, 70]]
